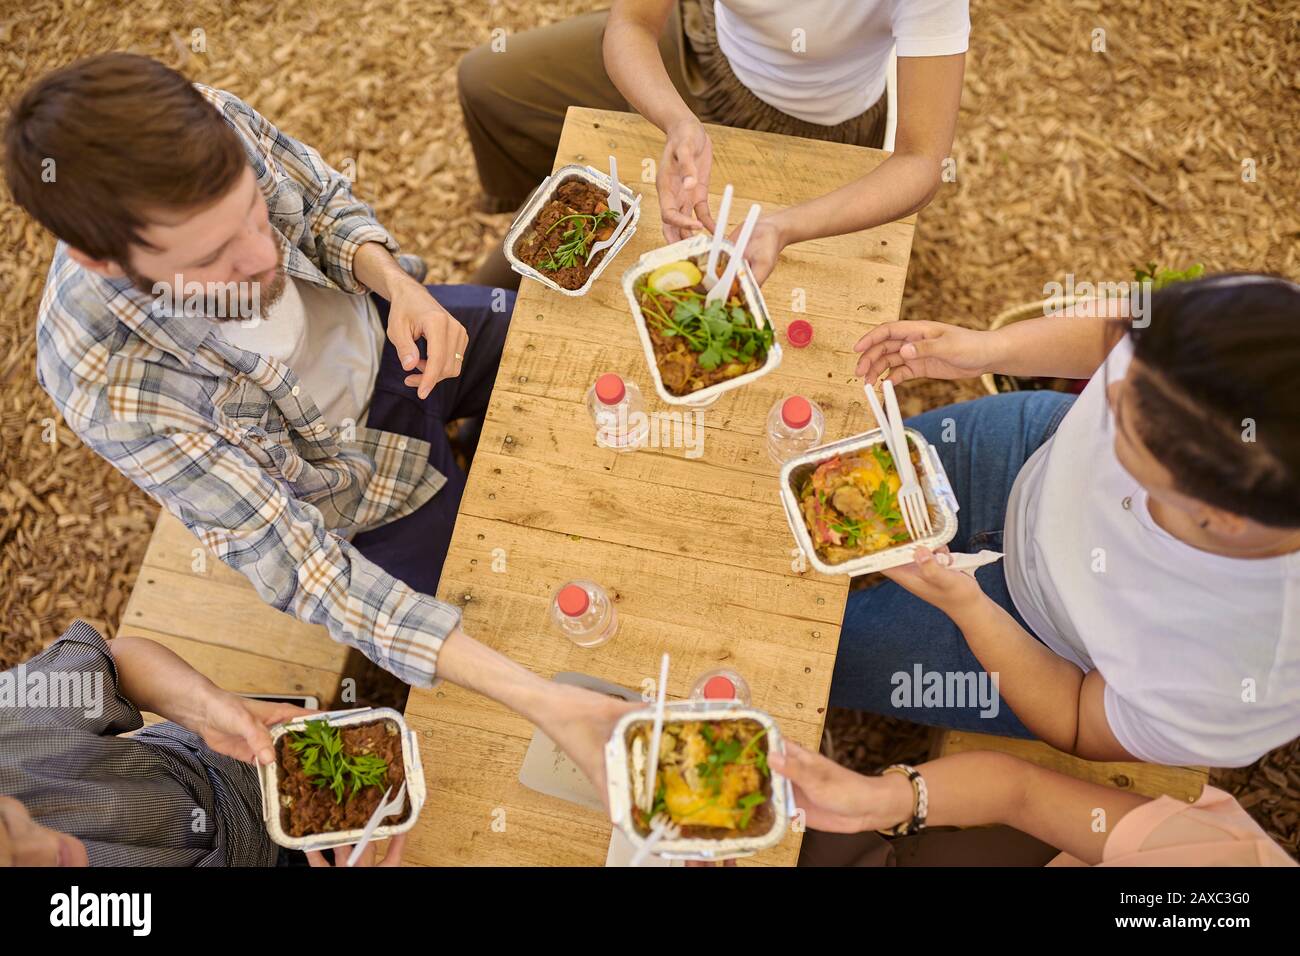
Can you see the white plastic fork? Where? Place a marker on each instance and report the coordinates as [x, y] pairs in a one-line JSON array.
[[386, 807], [625, 218], [615, 190], [616, 205], [661, 827], [719, 232], [882, 422], [911, 499], [652, 771], [718, 291]]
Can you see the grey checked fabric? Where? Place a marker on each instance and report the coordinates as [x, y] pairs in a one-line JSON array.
[[159, 798], [229, 442]]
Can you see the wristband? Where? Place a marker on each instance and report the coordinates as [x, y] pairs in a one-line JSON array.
[[920, 802]]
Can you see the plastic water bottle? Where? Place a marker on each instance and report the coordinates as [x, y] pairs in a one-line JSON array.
[[616, 408], [583, 613], [721, 684], [793, 426]]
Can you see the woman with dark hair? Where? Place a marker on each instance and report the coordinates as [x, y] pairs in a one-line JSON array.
[[1148, 606]]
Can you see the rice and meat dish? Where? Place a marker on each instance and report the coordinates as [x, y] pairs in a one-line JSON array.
[[698, 345], [713, 778], [850, 504], [557, 243]]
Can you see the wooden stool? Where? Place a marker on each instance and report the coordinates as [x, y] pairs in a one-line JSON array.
[[1148, 779], [186, 599]]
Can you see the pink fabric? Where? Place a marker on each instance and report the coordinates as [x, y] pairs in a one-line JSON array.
[[1213, 831]]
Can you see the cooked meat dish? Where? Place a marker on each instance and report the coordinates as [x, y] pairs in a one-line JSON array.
[[562, 234], [850, 504], [698, 345], [713, 778]]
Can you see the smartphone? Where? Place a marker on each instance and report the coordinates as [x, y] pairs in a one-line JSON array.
[[305, 701]]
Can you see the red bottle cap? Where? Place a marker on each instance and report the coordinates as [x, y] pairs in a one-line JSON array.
[[799, 333], [796, 412], [719, 688], [610, 389], [573, 600]]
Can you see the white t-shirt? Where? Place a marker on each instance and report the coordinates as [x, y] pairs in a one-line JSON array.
[[332, 340], [1200, 652], [824, 61]]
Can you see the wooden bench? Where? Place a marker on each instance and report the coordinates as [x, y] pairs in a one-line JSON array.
[[1148, 779], [188, 600]]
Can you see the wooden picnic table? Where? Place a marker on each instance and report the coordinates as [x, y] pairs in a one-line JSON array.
[[696, 553]]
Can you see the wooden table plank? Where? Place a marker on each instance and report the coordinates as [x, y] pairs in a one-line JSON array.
[[694, 550]]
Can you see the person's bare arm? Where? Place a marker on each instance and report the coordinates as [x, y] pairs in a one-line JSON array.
[[970, 789], [1056, 700], [633, 62], [1064, 345], [1052, 697], [929, 92], [579, 721]]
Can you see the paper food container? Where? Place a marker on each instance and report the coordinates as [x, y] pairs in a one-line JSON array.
[[622, 777], [541, 196], [934, 485], [686, 249], [415, 787]]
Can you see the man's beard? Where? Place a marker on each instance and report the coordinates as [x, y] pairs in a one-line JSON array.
[[243, 301]]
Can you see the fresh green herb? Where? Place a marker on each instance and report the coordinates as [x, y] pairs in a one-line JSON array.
[[574, 241], [724, 752], [1159, 278], [849, 529], [320, 749], [717, 332], [748, 804], [883, 458], [886, 504], [661, 800]]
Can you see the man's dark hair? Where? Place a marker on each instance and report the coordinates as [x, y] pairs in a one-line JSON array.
[[93, 147], [1218, 392]]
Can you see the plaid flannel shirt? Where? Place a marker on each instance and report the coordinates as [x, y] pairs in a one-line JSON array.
[[229, 442]]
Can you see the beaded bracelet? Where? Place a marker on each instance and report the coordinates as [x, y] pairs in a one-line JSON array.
[[920, 801]]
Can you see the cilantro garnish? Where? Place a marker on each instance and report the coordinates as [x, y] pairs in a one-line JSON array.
[[573, 245], [717, 332], [319, 747]]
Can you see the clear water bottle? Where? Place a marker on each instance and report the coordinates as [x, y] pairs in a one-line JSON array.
[[721, 684], [793, 426], [619, 413], [583, 613]]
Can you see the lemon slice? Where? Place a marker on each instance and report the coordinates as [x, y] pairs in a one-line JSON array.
[[674, 276]]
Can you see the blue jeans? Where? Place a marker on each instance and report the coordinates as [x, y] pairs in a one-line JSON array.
[[412, 549], [887, 632]]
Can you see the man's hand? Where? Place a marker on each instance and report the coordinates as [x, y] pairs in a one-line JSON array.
[[392, 856], [237, 727], [414, 314], [683, 180], [929, 578], [837, 800], [580, 722], [921, 349]]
